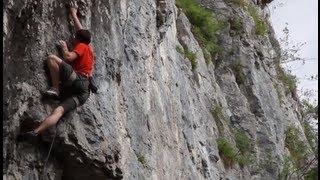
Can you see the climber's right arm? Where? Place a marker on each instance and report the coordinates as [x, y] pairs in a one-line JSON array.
[[73, 11], [67, 55]]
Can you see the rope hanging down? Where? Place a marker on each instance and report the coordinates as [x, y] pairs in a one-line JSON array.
[[47, 158]]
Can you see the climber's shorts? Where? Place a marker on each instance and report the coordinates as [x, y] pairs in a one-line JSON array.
[[75, 88], [65, 71]]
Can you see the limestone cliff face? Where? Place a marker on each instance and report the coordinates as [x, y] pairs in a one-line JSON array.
[[153, 117]]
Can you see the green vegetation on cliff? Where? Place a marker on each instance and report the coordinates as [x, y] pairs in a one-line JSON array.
[[287, 79], [186, 53], [243, 143], [260, 25], [218, 117], [239, 75], [226, 152], [297, 148], [204, 26]]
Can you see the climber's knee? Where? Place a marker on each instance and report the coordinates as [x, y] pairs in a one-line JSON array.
[[52, 56], [50, 59], [53, 59]]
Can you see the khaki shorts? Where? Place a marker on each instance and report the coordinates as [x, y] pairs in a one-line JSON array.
[[75, 88]]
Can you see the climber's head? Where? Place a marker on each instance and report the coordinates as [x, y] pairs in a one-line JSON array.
[[83, 36]]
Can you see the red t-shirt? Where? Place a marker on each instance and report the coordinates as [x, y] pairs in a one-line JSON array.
[[85, 60]]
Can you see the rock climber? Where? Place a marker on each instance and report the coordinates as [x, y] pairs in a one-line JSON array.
[[73, 73]]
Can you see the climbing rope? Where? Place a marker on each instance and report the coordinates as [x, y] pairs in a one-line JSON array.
[[47, 158]]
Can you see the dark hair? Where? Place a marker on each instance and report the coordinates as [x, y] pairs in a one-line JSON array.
[[83, 36]]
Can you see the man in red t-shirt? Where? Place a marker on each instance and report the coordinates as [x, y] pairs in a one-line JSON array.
[[74, 76]]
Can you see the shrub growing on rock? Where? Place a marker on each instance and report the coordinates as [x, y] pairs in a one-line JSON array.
[[226, 152], [205, 26], [240, 78], [218, 117], [289, 80], [296, 146], [190, 55], [141, 159], [242, 141], [260, 25]]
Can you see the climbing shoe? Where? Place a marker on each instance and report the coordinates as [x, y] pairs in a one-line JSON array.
[[52, 92], [28, 136]]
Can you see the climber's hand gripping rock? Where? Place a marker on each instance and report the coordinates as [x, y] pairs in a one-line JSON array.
[[63, 44], [73, 9]]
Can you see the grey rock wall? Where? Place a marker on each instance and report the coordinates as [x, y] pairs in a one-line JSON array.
[[152, 116]]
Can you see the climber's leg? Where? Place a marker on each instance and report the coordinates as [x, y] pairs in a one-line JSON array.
[[60, 71], [53, 64], [50, 120], [66, 106]]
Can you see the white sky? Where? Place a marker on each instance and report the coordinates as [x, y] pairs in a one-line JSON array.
[[302, 17]]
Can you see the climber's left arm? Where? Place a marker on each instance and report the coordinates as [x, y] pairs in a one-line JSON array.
[[67, 55], [77, 23]]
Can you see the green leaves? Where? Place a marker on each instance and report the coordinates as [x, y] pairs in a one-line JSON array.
[[260, 25], [226, 152], [205, 26], [297, 148], [190, 55]]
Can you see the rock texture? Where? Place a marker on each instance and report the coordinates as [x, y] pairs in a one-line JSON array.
[[152, 116]]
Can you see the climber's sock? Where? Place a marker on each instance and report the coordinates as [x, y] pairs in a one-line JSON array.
[[53, 92]]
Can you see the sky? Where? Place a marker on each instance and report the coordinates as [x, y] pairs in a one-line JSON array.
[[302, 19]]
